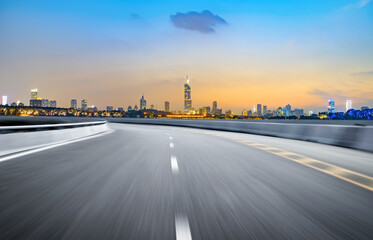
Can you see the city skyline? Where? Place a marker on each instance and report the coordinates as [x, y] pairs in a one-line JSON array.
[[257, 109], [243, 55]]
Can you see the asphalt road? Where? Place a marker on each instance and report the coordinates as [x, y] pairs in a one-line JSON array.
[[157, 182]]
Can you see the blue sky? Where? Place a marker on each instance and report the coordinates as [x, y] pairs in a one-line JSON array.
[[110, 52]]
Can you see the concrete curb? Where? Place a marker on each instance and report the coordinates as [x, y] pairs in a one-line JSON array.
[[21, 138], [350, 136]]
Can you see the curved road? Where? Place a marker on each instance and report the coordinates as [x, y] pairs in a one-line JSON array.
[[157, 182]]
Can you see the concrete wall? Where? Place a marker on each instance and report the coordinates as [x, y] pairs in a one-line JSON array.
[[20, 141], [351, 136]]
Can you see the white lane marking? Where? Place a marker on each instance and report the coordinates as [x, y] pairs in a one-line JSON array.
[[174, 165], [182, 228], [171, 145], [28, 152], [170, 138]]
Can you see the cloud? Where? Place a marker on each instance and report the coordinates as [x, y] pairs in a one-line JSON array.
[[362, 73], [360, 4], [289, 44], [334, 94], [135, 16], [204, 22]]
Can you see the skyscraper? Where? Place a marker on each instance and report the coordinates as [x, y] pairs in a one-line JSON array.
[[142, 103], [331, 108], [244, 112], [53, 103], [109, 108], [34, 94], [35, 103], [167, 106], [84, 105], [4, 100], [187, 95], [259, 109], [288, 110], [74, 104], [214, 107], [348, 104], [264, 109], [45, 103]]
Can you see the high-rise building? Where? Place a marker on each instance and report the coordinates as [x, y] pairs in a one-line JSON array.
[[73, 104], [109, 108], [167, 106], [152, 107], [4, 100], [298, 112], [120, 109], [259, 109], [207, 109], [214, 107], [264, 109], [331, 108], [348, 104], [35, 103], [288, 110], [187, 95], [45, 103], [244, 112], [136, 108], [129, 108], [142, 103], [84, 105], [53, 103], [34, 94]]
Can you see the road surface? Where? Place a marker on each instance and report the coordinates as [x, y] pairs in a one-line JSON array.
[[158, 182]]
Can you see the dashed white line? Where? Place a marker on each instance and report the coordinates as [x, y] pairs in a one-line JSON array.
[[182, 228], [171, 145], [170, 138], [174, 165]]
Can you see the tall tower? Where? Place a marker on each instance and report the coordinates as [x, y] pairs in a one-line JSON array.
[[331, 108], [348, 104], [259, 109], [74, 104], [187, 95], [214, 107], [84, 105], [142, 103], [167, 106], [34, 94]]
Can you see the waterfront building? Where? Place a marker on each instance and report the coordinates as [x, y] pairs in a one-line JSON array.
[[167, 106], [187, 95], [74, 104], [84, 105], [142, 103]]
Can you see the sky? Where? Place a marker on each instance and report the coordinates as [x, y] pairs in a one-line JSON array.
[[238, 53]]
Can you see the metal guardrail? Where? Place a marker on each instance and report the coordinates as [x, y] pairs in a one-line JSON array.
[[46, 127]]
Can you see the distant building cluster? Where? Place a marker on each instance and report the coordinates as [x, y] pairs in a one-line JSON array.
[[43, 106], [35, 101]]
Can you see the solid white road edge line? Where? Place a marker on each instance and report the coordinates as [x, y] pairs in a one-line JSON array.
[[28, 152]]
